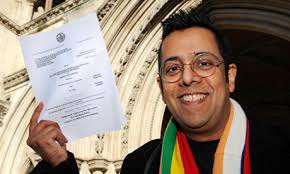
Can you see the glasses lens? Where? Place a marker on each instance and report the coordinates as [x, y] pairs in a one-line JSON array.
[[204, 65], [171, 70]]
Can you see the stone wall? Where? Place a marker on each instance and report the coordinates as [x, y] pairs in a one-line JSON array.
[[132, 34]]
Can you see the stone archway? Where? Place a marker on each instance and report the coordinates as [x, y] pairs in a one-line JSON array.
[[259, 34], [132, 32]]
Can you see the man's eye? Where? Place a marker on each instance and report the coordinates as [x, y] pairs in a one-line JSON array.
[[173, 69], [205, 64]]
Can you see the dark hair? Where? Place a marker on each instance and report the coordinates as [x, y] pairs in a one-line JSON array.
[[195, 17]]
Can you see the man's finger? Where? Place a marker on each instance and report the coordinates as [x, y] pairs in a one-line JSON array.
[[61, 139], [42, 124], [35, 116]]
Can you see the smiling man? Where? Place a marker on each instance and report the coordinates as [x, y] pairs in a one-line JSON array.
[[195, 86], [208, 132], [193, 82]]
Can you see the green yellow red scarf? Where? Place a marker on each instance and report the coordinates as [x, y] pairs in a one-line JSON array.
[[231, 156]]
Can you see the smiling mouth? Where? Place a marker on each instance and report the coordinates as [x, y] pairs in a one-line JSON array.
[[196, 98]]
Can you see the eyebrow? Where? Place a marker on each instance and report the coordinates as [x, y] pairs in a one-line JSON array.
[[177, 58], [171, 59]]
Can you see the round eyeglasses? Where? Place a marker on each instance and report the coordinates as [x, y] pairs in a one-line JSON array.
[[203, 64]]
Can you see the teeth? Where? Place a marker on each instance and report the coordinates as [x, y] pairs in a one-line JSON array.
[[194, 98]]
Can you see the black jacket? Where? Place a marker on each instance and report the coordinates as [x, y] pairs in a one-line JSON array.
[[269, 153]]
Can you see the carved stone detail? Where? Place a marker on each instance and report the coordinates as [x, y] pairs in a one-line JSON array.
[[129, 50], [99, 145], [15, 79], [50, 15], [105, 9], [136, 88], [4, 105], [153, 120], [3, 111], [135, 41], [9, 24], [100, 166]]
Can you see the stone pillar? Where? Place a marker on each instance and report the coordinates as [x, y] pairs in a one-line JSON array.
[[111, 169], [48, 5], [28, 9], [85, 168], [24, 11], [29, 6]]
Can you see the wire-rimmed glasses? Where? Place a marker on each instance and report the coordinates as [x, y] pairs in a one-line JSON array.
[[203, 64]]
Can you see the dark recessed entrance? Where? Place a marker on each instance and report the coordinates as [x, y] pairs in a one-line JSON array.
[[259, 35], [263, 80]]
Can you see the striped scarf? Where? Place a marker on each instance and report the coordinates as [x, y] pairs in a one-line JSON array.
[[231, 156]]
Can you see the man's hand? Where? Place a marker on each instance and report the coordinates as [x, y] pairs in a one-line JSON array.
[[46, 139]]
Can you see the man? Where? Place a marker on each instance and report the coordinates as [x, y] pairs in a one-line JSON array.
[[208, 131]]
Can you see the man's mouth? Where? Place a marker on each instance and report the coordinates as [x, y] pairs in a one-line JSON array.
[[196, 98]]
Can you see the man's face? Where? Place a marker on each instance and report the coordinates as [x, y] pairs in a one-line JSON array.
[[200, 105]]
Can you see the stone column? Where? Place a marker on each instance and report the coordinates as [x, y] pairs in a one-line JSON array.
[[85, 168], [111, 169], [48, 5], [24, 11], [28, 10]]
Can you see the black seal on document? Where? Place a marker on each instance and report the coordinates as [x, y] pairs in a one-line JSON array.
[[60, 37]]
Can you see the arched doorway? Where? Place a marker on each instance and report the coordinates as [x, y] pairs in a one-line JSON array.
[[259, 34], [263, 75]]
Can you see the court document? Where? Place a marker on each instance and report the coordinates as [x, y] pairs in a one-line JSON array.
[[71, 74]]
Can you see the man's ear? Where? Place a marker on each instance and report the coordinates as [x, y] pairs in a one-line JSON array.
[[232, 73]]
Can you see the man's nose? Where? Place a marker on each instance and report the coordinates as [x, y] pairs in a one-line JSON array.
[[189, 76]]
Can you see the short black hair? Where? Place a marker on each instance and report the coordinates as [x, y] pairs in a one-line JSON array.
[[195, 17]]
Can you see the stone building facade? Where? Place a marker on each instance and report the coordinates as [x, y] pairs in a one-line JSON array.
[[132, 32]]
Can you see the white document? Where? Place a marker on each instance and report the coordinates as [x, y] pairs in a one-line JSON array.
[[70, 72]]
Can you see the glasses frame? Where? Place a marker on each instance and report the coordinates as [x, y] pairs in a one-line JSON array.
[[196, 55]]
